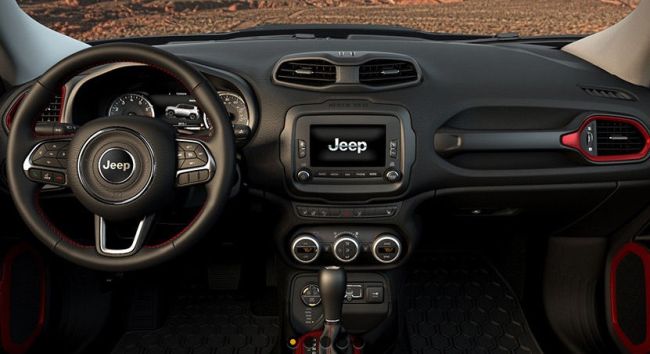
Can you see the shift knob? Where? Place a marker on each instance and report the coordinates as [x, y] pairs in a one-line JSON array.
[[332, 283]]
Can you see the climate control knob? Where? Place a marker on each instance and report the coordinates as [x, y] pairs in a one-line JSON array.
[[346, 248], [386, 248], [305, 248]]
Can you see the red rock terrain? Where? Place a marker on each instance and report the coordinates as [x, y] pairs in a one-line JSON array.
[[99, 19]]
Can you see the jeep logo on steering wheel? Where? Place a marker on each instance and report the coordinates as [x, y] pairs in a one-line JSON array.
[[116, 165]]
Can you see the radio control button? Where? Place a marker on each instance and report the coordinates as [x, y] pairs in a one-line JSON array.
[[360, 174], [392, 175], [321, 174], [303, 176], [302, 148], [373, 174], [392, 149]]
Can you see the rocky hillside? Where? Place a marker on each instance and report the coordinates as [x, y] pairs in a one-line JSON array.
[[98, 19]]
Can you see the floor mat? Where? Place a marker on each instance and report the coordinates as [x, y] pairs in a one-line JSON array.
[[461, 304], [206, 323]]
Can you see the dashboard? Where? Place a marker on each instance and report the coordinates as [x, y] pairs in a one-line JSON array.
[[361, 121]]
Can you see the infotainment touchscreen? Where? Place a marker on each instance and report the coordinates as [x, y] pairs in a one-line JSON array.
[[347, 145]]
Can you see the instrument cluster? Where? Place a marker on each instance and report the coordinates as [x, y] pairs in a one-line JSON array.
[[180, 109]]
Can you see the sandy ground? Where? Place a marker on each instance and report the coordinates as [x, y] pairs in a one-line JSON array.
[[99, 19]]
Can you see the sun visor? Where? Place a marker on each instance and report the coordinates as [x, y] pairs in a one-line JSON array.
[[623, 49]]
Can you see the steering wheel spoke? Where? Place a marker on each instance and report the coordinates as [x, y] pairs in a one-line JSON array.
[[47, 162], [195, 165], [106, 248]]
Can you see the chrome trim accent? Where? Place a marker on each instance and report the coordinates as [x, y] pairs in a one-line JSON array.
[[210, 166], [104, 131], [386, 237], [305, 237], [138, 239], [28, 163], [350, 238], [99, 165]]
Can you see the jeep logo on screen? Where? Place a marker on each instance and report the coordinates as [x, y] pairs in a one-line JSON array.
[[116, 165], [353, 146]]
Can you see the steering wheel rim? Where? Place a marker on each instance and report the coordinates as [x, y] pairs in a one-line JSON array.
[[219, 143]]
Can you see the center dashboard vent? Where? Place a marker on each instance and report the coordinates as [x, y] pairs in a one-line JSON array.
[[308, 72], [384, 72]]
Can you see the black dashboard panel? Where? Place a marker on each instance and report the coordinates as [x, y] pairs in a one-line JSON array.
[[539, 87]]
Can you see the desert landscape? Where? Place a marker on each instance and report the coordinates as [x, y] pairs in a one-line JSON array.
[[101, 19]]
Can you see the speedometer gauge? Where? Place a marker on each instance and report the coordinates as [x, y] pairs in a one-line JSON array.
[[131, 104], [236, 107]]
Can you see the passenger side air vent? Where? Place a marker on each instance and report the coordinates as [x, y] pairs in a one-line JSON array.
[[385, 72], [307, 72], [618, 138], [610, 139], [609, 93]]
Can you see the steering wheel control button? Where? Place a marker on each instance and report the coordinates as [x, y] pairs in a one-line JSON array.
[[310, 295], [305, 249], [386, 249], [193, 163], [375, 294], [116, 165], [392, 175], [346, 249], [47, 177]]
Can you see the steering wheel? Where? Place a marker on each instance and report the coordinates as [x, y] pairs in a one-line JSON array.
[[120, 168]]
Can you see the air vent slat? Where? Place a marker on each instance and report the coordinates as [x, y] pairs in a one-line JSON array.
[[308, 72], [618, 138], [611, 93], [384, 72]]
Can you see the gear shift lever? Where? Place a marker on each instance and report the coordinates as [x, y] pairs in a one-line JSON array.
[[332, 283]]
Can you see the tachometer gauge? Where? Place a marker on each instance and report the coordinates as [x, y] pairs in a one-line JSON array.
[[236, 107], [131, 104]]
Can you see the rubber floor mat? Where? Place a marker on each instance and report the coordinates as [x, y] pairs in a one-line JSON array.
[[206, 324], [461, 304]]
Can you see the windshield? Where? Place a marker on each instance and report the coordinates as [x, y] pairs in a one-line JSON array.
[[105, 19]]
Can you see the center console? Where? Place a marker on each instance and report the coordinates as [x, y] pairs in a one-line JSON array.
[[338, 156]]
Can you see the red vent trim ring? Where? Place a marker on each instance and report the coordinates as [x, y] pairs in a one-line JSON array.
[[572, 140]]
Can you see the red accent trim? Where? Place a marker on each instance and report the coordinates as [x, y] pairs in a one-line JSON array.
[[5, 300], [643, 253], [14, 107], [572, 140], [299, 349]]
